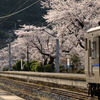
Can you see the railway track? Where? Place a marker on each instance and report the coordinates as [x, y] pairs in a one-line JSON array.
[[29, 87]]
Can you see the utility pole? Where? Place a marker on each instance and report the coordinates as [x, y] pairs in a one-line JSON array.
[[29, 25], [10, 44], [57, 54], [16, 23], [9, 50], [27, 54], [57, 49], [28, 46], [21, 64]]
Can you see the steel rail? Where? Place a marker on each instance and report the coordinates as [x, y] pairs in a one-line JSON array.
[[61, 92]]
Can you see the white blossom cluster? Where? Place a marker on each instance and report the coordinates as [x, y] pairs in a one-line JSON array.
[[40, 45], [70, 19]]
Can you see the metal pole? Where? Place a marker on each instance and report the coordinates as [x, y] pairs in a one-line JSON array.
[[27, 54], [57, 50], [57, 54], [9, 50], [21, 64], [29, 25]]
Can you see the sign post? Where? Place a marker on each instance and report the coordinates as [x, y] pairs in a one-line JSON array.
[[68, 63], [21, 64]]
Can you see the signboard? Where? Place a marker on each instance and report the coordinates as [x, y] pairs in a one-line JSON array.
[[68, 62]]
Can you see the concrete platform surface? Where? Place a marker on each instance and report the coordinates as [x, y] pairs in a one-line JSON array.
[[8, 96]]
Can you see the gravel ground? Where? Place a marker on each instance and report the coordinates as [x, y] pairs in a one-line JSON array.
[[30, 93]]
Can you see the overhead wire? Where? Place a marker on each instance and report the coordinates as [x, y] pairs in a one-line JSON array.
[[3, 45], [15, 11], [20, 10], [38, 22], [34, 24], [22, 5], [9, 25], [9, 12]]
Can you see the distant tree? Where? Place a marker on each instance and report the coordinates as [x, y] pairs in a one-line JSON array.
[[75, 61], [25, 67], [18, 65], [6, 69], [14, 67], [39, 68], [48, 68], [39, 43], [31, 63]]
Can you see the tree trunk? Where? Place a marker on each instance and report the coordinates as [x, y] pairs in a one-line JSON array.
[[51, 60], [45, 62]]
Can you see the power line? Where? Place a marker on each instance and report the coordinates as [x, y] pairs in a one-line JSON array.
[[15, 11], [9, 25], [22, 5], [4, 45], [9, 12], [20, 10], [36, 23]]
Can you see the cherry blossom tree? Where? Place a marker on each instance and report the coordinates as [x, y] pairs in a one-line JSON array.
[[70, 19], [39, 45], [72, 16], [36, 44], [45, 45]]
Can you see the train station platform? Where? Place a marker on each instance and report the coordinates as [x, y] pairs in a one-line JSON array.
[[76, 80], [4, 95]]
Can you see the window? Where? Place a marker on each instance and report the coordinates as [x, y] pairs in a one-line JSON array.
[[90, 48], [86, 44], [94, 50]]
